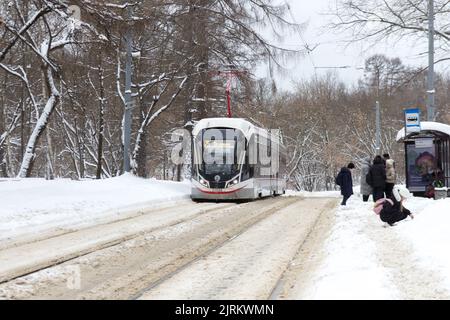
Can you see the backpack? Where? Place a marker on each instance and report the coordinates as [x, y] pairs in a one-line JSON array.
[[378, 205], [369, 179], [338, 179]]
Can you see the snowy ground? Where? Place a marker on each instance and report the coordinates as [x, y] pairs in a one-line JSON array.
[[316, 194], [362, 259], [31, 206], [343, 253]]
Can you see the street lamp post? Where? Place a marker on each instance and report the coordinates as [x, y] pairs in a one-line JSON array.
[[430, 77], [127, 97], [378, 128]]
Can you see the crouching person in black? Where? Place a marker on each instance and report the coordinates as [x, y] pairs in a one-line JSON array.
[[395, 211]]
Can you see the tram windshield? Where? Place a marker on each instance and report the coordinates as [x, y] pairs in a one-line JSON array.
[[221, 151]]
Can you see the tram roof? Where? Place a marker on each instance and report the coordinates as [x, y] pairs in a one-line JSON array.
[[426, 126], [245, 126]]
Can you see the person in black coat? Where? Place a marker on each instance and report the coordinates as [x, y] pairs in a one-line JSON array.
[[392, 213], [344, 180], [376, 178]]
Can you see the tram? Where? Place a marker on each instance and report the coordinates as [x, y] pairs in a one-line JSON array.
[[232, 159]]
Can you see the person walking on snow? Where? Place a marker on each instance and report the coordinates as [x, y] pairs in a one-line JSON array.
[[376, 178], [390, 177], [366, 190], [344, 180], [393, 209]]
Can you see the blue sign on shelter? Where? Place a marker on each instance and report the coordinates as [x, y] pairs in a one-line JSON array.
[[412, 120]]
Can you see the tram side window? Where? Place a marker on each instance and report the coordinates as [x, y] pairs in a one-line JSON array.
[[258, 158], [269, 155], [254, 166], [264, 162], [251, 155], [283, 164], [246, 168]]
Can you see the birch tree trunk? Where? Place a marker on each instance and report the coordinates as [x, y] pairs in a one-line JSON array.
[[2, 129], [101, 124], [50, 165], [29, 156]]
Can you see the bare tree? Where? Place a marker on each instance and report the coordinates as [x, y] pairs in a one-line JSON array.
[[380, 19]]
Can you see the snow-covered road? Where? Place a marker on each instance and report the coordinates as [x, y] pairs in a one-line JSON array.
[[234, 244]]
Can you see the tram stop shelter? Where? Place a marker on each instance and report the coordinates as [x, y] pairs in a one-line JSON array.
[[427, 157]]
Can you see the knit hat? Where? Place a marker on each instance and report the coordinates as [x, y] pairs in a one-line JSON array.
[[400, 192]]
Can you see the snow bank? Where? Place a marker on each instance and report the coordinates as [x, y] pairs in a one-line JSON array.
[[320, 194], [350, 268], [315, 194], [354, 264], [35, 205], [430, 234]]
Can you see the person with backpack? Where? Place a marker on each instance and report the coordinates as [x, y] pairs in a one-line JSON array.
[[390, 177], [392, 210], [376, 178], [366, 190], [344, 180]]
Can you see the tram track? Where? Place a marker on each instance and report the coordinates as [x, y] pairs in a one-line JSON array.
[[31, 256], [213, 235], [220, 244], [242, 268], [140, 266]]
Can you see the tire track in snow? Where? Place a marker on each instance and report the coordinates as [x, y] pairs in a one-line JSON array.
[[396, 254], [308, 257]]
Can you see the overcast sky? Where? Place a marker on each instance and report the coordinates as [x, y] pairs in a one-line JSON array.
[[331, 51]]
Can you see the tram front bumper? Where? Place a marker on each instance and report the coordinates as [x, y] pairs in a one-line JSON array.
[[235, 193]]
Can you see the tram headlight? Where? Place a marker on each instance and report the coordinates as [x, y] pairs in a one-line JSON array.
[[232, 182], [203, 182]]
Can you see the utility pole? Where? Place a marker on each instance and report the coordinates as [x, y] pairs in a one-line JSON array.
[[378, 116], [430, 78], [378, 128], [127, 96]]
